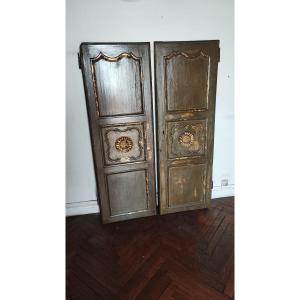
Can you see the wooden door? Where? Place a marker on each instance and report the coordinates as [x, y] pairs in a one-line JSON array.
[[185, 79], [117, 85]]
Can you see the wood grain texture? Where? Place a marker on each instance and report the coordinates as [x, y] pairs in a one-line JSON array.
[[187, 255], [116, 76], [185, 86], [117, 83]]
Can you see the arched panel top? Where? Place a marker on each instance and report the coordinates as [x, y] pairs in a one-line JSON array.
[[118, 84], [115, 58], [188, 55]]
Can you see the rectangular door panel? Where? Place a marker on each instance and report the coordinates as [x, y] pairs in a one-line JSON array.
[[186, 185], [186, 77], [117, 85], [127, 201]]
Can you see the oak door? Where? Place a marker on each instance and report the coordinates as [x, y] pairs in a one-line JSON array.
[[117, 85], [185, 83]]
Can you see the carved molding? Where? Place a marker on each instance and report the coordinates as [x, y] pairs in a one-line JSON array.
[[186, 55], [100, 56], [115, 58]]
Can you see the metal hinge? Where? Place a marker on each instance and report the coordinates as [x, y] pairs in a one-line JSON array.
[[219, 55], [212, 184], [79, 60]]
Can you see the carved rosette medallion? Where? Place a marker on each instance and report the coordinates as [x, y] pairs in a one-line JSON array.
[[186, 139], [124, 144]]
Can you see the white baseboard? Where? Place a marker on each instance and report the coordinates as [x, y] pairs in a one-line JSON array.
[[222, 191], [91, 207], [82, 208]]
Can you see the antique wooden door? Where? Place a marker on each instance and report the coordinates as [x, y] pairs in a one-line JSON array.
[[185, 79], [117, 84]]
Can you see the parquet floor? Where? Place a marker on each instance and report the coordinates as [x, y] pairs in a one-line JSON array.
[[187, 255]]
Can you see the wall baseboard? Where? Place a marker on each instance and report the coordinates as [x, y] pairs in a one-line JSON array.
[[92, 207], [82, 208], [222, 191]]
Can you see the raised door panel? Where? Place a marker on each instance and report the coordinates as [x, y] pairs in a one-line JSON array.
[[186, 185], [186, 76], [118, 84], [191, 92], [118, 94], [124, 143], [122, 199]]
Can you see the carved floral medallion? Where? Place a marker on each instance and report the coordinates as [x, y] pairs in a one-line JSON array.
[[186, 139], [124, 144]]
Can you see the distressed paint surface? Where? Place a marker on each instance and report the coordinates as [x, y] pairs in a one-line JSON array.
[[186, 77], [119, 103]]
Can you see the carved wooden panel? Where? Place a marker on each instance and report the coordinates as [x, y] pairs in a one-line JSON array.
[[186, 138], [118, 95], [186, 80], [123, 144], [186, 77], [114, 77]]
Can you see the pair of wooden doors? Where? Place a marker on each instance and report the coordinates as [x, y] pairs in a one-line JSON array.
[[118, 88]]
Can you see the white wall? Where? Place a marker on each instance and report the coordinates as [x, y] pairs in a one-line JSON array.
[[134, 21]]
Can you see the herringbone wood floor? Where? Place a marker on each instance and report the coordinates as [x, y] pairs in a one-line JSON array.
[[186, 255]]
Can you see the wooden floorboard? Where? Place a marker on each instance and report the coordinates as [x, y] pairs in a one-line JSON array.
[[188, 255]]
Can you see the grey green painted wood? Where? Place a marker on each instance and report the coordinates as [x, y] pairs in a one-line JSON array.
[[185, 86], [117, 84]]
